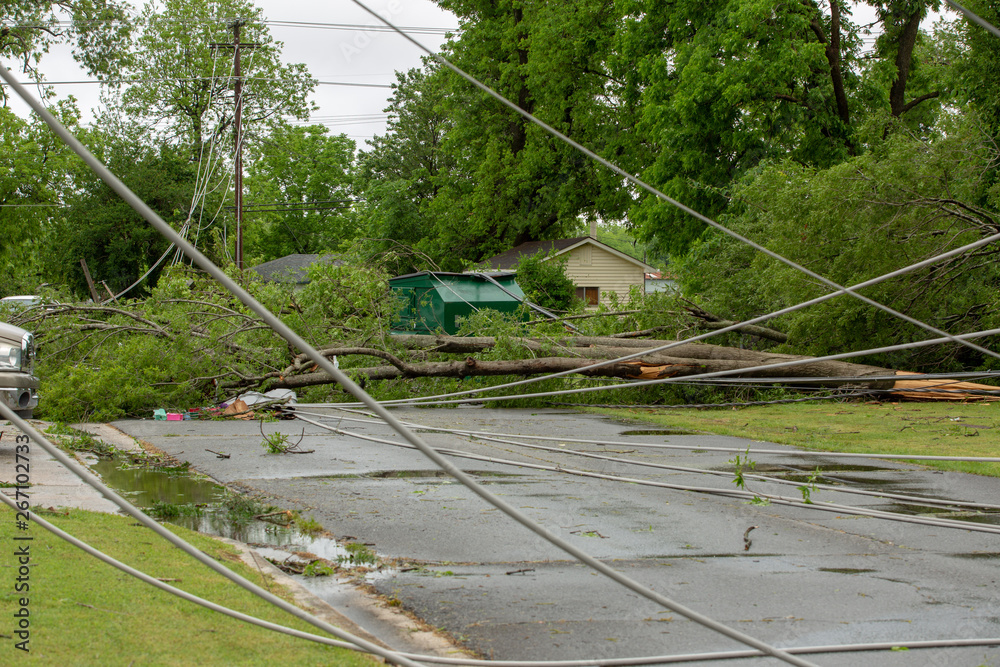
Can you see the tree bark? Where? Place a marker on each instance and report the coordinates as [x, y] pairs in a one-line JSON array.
[[684, 360], [904, 58]]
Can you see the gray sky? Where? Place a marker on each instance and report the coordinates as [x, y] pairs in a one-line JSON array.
[[353, 55]]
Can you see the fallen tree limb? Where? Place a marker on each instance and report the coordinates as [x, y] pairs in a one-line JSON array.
[[706, 320]]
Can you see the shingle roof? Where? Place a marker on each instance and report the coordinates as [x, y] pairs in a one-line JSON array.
[[293, 269], [509, 259]]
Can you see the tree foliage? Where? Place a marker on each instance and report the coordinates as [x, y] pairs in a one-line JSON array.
[[35, 170], [403, 172], [178, 77], [727, 84], [477, 177], [98, 226], [300, 182], [544, 282], [98, 30], [870, 215]]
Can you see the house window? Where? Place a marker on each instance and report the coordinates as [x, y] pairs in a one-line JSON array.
[[590, 295]]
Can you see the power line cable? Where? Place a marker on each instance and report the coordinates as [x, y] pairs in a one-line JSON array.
[[114, 82], [299, 343], [660, 195], [733, 327], [88, 478], [698, 448], [822, 506], [974, 18], [350, 27], [152, 581], [434, 400], [604, 662], [908, 499]]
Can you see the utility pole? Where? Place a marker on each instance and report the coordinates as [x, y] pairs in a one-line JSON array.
[[236, 46], [238, 133]]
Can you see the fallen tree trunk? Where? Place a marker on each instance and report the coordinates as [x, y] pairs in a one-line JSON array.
[[648, 368], [613, 348]]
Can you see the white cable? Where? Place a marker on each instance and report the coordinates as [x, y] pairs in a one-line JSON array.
[[915, 500], [698, 448], [88, 478], [663, 197], [668, 380], [299, 343], [142, 576], [974, 18], [822, 506], [611, 662]]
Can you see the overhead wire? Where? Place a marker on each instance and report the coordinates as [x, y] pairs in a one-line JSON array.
[[908, 499], [639, 183], [821, 506], [320, 360], [298, 342], [435, 400], [471, 662], [636, 181], [349, 84], [152, 581], [975, 18], [733, 327], [88, 478], [351, 27], [687, 447]]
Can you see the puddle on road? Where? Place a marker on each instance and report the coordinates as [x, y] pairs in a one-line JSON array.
[[145, 486], [200, 503], [990, 518], [846, 570], [977, 555], [825, 468], [828, 474]]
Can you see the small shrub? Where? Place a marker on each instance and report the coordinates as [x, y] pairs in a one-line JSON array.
[[241, 508], [317, 568], [358, 554], [545, 282], [308, 526]]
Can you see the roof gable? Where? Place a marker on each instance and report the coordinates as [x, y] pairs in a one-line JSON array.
[[508, 260]]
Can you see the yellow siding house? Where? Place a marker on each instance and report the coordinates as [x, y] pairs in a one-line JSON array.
[[595, 268]]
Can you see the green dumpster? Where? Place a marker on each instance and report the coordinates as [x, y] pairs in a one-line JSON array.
[[431, 300]]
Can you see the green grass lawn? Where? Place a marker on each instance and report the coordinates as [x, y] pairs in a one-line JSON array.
[[85, 612], [939, 429]]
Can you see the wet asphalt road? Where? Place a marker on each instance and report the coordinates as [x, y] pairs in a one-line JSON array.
[[809, 577]]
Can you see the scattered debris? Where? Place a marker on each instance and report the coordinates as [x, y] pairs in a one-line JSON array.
[[238, 410], [746, 539]]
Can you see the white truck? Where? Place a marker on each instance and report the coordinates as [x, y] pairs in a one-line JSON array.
[[18, 384]]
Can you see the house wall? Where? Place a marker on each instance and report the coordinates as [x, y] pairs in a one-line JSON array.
[[590, 266]]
